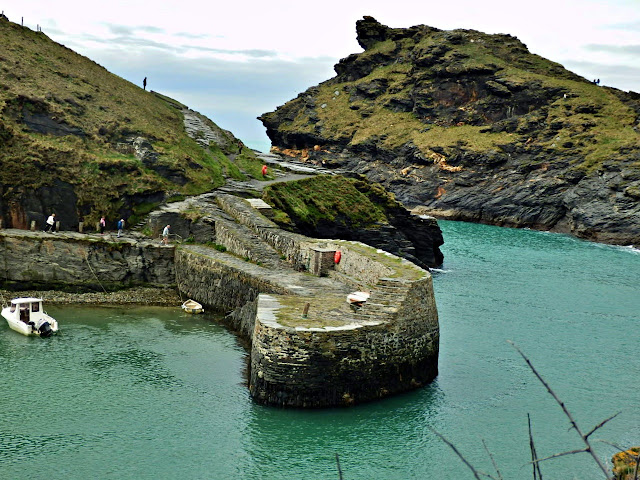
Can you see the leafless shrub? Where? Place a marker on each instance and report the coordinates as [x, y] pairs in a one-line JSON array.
[[535, 461]]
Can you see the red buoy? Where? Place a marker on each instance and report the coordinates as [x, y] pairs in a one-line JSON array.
[[337, 256]]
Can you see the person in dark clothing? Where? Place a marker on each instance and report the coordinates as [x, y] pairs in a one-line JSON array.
[[144, 83]]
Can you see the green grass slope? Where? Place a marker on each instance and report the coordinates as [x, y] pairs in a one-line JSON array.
[[66, 121]]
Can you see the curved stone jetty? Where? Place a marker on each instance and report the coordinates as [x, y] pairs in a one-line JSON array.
[[282, 292], [288, 298]]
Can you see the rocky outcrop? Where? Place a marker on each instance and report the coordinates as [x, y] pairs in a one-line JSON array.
[[625, 464], [206, 132], [473, 127], [345, 208]]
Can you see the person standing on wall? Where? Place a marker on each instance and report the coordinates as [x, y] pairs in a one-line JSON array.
[[51, 222], [120, 226], [165, 235]]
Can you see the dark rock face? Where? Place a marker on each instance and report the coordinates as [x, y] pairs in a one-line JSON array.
[[35, 115], [549, 166], [23, 206]]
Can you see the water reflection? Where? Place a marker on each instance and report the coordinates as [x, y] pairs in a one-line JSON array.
[[365, 436]]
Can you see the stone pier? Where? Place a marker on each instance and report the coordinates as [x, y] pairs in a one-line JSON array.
[[282, 292], [334, 355]]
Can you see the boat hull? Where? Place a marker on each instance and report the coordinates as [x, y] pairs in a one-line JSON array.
[[191, 306]]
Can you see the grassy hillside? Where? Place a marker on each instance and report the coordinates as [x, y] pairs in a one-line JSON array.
[[63, 117]]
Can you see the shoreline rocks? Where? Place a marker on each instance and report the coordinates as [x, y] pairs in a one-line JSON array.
[[132, 296]]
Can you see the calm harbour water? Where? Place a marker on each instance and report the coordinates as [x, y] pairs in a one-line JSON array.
[[130, 393]]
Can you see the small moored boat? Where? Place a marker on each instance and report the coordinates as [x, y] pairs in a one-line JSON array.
[[357, 299], [191, 306], [26, 316]]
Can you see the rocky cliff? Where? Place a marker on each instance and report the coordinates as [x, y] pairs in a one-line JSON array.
[[470, 126]]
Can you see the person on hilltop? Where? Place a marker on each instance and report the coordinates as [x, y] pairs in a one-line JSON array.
[[144, 83], [50, 224], [120, 226]]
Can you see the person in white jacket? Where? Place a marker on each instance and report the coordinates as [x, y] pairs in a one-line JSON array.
[[165, 235], [51, 223]]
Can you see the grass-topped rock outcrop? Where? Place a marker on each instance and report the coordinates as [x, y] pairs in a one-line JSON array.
[[333, 206], [472, 126], [82, 142]]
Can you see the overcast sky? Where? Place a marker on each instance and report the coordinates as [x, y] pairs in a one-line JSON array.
[[235, 60]]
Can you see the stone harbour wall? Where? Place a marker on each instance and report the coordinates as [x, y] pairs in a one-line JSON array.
[[388, 346], [70, 260], [340, 366], [281, 292]]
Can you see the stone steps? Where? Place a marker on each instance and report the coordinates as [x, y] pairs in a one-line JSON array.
[[248, 244]]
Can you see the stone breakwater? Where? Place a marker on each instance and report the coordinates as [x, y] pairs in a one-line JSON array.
[[73, 261], [285, 294], [282, 292]]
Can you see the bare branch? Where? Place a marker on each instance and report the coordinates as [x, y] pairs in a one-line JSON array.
[[537, 474], [339, 469], [614, 445], [556, 455], [566, 411], [493, 461], [601, 424], [475, 472]]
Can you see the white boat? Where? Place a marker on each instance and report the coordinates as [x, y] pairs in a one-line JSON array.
[[26, 315], [191, 306]]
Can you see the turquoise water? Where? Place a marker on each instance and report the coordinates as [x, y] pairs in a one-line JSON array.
[[154, 393]]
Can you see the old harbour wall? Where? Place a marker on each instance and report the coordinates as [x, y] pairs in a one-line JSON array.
[[282, 292]]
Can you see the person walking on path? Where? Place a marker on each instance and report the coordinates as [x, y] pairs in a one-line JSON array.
[[165, 235], [264, 171], [120, 226], [103, 224], [51, 222]]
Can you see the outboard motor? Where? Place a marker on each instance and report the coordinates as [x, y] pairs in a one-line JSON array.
[[45, 330]]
